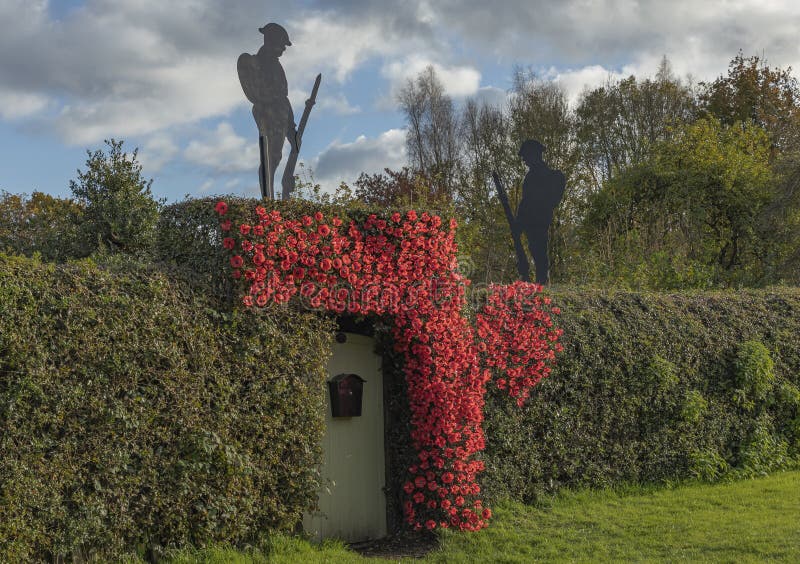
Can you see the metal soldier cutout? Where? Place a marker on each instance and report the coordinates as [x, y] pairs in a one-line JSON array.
[[264, 83], [542, 190]]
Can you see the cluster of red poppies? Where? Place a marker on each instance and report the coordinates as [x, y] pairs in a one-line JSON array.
[[405, 267], [517, 336]]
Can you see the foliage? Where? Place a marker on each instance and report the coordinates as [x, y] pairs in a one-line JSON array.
[[403, 188], [40, 224], [622, 147], [762, 451], [618, 122], [645, 391], [404, 267], [134, 413], [752, 92], [690, 215], [120, 213], [755, 374]]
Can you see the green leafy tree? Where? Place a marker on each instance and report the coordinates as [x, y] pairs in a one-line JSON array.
[[769, 97], [40, 224], [619, 121], [753, 92], [120, 211], [690, 214]]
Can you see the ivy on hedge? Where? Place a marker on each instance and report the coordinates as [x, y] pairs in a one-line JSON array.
[[133, 413]]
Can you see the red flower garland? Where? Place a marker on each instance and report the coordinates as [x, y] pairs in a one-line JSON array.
[[517, 336], [405, 268]]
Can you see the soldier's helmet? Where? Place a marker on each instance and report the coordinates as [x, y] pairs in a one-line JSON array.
[[531, 149], [275, 34]]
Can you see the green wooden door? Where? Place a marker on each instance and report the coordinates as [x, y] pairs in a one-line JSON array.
[[352, 501]]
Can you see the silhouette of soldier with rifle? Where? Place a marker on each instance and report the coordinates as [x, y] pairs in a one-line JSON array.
[[542, 191], [264, 83]]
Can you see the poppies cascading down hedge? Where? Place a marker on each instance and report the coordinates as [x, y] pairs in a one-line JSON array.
[[405, 268]]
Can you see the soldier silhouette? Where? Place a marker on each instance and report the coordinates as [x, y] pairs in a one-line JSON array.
[[264, 83], [542, 190]]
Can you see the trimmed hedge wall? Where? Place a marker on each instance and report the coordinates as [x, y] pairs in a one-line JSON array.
[[135, 415], [138, 410], [655, 388]]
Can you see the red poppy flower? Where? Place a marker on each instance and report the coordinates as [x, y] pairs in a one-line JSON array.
[[221, 208]]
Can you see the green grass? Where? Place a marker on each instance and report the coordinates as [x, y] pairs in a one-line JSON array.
[[745, 521]]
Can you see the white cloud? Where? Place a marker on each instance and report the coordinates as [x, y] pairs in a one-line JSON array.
[[224, 151], [575, 81], [339, 105], [458, 81], [491, 95], [334, 45], [335, 102], [195, 90], [576, 33], [345, 161], [17, 105], [127, 69], [158, 150]]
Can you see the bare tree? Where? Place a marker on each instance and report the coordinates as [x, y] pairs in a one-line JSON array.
[[432, 137]]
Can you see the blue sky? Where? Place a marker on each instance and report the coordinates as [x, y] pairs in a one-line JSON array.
[[162, 75]]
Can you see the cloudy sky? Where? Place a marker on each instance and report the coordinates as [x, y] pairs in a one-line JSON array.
[[162, 74]]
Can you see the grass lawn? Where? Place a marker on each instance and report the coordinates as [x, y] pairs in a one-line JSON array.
[[746, 521]]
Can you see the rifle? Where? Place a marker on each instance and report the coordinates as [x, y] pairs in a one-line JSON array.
[[522, 259], [288, 173]]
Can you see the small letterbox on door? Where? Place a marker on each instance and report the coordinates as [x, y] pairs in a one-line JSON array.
[[346, 392]]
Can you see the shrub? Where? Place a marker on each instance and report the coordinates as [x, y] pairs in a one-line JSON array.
[[40, 224], [763, 451], [133, 413], [754, 374], [120, 213]]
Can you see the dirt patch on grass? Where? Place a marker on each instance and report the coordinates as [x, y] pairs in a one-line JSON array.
[[401, 545]]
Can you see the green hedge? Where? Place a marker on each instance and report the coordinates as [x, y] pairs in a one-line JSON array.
[[135, 415], [655, 388], [135, 411]]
